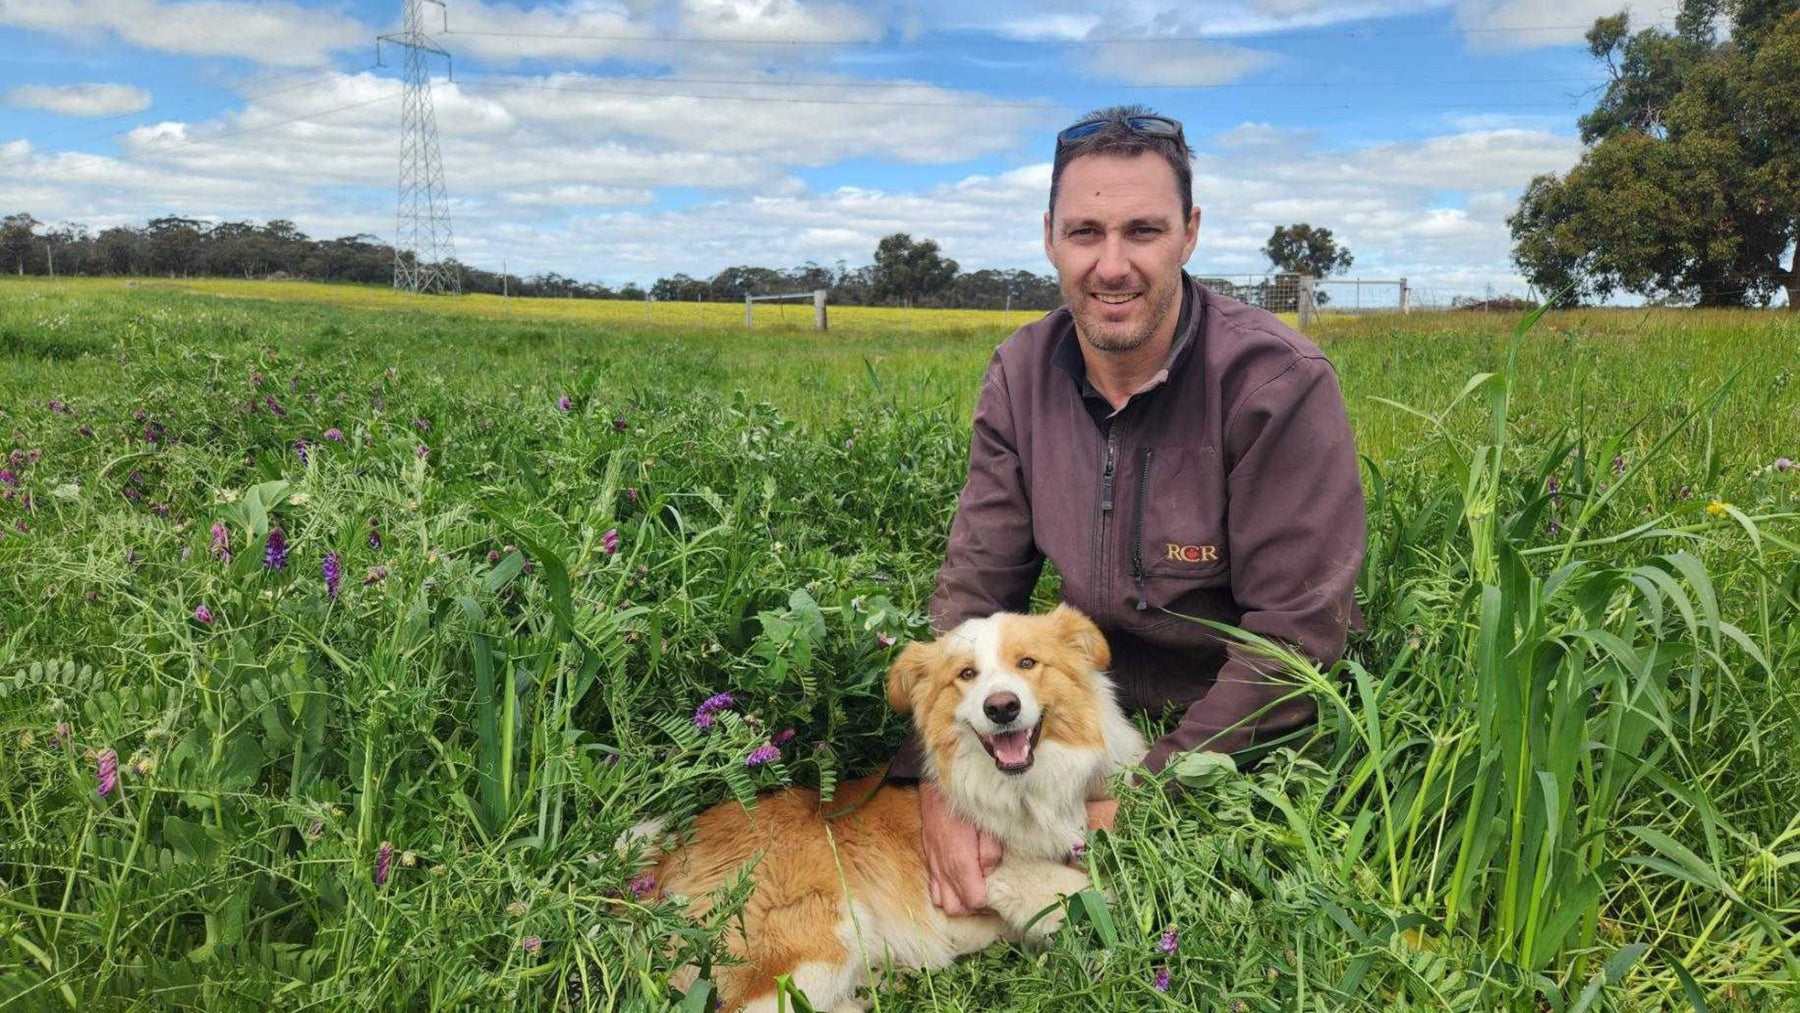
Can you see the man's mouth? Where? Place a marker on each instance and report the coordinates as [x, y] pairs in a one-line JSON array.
[[1114, 298], [1013, 751]]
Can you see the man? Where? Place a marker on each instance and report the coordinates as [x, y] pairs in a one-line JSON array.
[[1170, 451]]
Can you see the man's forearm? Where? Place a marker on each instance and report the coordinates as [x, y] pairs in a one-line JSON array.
[[1245, 707]]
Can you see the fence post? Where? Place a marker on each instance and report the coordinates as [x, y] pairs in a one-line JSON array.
[[748, 310], [1405, 297], [819, 308], [1306, 302]]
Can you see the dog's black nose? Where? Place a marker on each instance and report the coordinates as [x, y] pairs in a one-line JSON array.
[[1001, 708]]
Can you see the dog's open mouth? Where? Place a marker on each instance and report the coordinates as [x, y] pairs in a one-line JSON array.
[[1013, 751]]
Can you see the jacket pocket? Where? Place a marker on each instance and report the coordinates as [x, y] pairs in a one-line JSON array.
[[1177, 524]]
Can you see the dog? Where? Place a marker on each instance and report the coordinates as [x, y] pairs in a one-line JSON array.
[[1020, 728]]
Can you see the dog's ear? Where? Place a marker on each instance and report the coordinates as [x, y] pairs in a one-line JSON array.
[[1079, 633], [908, 671]]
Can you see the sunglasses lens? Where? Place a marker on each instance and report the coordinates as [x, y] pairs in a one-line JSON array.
[[1080, 130], [1154, 125]]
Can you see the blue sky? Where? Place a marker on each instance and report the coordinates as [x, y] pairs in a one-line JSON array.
[[622, 141]]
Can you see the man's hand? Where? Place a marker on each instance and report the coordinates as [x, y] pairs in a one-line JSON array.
[[957, 856], [1100, 814]]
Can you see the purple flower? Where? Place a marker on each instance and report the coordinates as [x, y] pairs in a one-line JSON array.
[[203, 615], [221, 542], [631, 493], [761, 755], [153, 431], [274, 406], [884, 640], [1618, 464], [275, 550], [333, 572], [1685, 492], [1783, 464], [335, 435], [609, 542], [58, 407], [384, 857], [643, 886], [374, 535], [300, 446], [422, 451], [8, 478], [619, 425], [786, 736], [1553, 527], [107, 772], [61, 733], [85, 430], [1170, 940], [376, 575], [424, 426], [256, 379], [1161, 984], [1078, 851], [532, 945], [564, 403]]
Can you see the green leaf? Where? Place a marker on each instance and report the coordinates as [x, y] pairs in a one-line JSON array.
[[504, 571]]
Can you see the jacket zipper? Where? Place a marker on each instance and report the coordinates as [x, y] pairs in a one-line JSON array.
[[1137, 528], [1106, 506]]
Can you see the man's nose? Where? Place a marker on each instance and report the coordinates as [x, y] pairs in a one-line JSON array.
[[1001, 708], [1113, 263]]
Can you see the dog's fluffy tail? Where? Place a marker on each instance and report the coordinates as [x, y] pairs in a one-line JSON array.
[[650, 832]]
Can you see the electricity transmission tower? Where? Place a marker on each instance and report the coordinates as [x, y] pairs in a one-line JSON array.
[[422, 241]]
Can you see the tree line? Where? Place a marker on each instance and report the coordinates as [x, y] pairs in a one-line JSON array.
[[905, 271]]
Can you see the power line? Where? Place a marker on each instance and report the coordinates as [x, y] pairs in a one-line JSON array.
[[76, 136], [1093, 40], [752, 98], [905, 85], [942, 105], [209, 138]]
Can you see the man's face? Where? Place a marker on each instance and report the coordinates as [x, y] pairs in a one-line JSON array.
[[1117, 239]]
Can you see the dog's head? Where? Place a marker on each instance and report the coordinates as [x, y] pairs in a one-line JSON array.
[[1008, 683]]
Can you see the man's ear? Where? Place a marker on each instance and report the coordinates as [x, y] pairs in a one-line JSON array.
[[908, 671], [1079, 633]]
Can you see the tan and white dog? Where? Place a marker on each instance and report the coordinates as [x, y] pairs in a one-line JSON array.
[[1020, 728]]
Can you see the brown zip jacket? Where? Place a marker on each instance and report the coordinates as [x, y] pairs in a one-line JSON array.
[[1226, 489]]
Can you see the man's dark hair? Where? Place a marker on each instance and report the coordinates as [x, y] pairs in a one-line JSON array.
[[1117, 138]]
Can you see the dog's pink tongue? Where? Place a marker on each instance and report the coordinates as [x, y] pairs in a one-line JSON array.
[[1012, 748]]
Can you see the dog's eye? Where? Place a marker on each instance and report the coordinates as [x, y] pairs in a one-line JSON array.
[[966, 674], [1027, 663]]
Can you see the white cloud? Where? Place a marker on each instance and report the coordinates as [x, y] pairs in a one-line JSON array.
[[577, 196], [1527, 24], [1173, 62], [267, 31], [1073, 20], [743, 35], [80, 99]]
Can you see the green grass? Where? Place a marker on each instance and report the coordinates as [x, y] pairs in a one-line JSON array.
[[1558, 771]]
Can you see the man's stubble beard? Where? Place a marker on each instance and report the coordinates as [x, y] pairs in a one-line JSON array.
[[1104, 337]]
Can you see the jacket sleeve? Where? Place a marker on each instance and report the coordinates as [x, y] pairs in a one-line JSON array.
[[1295, 532], [992, 563]]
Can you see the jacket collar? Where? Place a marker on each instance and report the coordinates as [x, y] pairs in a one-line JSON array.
[[1066, 355]]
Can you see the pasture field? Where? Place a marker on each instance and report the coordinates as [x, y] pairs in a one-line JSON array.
[[341, 635]]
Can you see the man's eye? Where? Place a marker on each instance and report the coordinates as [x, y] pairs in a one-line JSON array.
[[1027, 663], [966, 674]]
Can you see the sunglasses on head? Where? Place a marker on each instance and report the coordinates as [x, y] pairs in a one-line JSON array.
[[1150, 126]]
